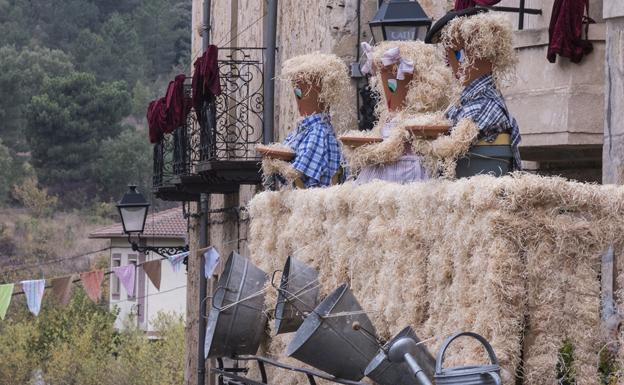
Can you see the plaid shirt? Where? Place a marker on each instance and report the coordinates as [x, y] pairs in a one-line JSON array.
[[318, 154], [483, 103]]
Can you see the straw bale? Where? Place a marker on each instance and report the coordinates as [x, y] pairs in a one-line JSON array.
[[486, 36], [515, 259], [272, 166], [331, 74]]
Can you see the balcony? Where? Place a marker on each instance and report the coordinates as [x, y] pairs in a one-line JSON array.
[[214, 151]]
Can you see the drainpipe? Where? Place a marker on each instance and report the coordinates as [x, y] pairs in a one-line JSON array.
[[270, 36], [204, 203]]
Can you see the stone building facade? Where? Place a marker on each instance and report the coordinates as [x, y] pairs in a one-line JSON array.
[[565, 114]]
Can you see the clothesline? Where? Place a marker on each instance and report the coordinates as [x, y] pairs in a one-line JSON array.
[[28, 266]]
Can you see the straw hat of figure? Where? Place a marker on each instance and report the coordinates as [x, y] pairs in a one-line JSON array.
[[428, 88], [321, 84], [480, 44]]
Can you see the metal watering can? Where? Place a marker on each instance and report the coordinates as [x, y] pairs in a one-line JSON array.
[[236, 320], [405, 350], [298, 295], [468, 375]]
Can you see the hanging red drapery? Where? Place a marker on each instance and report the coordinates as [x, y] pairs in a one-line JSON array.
[[463, 4], [566, 30], [206, 81], [166, 114]]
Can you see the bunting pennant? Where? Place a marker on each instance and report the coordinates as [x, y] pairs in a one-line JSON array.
[[211, 260], [33, 289], [62, 289], [153, 271], [176, 260], [92, 283], [126, 275], [6, 292]]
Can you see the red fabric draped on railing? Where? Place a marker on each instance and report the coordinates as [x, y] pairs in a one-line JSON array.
[[166, 114]]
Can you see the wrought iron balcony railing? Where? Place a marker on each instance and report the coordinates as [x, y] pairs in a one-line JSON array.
[[214, 151]]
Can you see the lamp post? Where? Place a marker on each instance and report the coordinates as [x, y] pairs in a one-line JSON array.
[[400, 20], [133, 211]]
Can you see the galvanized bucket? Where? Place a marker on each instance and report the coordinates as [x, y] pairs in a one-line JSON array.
[[237, 319], [327, 339], [384, 372], [493, 160], [468, 375], [298, 295]]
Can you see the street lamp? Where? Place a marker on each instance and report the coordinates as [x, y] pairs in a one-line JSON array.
[[133, 211], [400, 20]]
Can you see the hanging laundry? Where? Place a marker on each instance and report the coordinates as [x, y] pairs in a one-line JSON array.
[[126, 275], [211, 260], [92, 283], [463, 4], [157, 119], [33, 289], [206, 82], [6, 293], [176, 260], [153, 271], [178, 105], [62, 289], [565, 34]]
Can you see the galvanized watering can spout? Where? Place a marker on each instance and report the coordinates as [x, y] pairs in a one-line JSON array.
[[468, 375], [402, 361]]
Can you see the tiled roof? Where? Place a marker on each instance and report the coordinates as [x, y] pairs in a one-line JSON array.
[[164, 224]]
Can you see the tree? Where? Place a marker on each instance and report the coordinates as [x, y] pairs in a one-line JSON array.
[[124, 159], [22, 74], [66, 124]]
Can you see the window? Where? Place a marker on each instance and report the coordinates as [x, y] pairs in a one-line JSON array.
[[132, 260], [115, 283]]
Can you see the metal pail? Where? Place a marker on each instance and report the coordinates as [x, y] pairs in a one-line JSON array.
[[468, 375], [237, 319], [384, 372], [493, 160], [298, 295], [327, 339]]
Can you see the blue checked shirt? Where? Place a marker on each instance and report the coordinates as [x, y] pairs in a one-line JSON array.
[[317, 151], [483, 104]]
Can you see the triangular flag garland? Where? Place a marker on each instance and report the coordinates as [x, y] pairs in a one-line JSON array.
[[211, 260], [176, 260], [153, 271], [6, 292], [62, 289], [126, 275], [92, 283], [33, 289]]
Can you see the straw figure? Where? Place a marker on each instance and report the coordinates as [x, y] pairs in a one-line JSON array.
[[320, 82], [414, 85], [479, 49]]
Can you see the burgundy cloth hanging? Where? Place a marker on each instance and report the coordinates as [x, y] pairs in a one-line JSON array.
[[566, 30], [206, 81], [177, 104], [157, 119], [463, 4]]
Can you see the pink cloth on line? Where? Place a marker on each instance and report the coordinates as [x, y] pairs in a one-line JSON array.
[[92, 283], [126, 276]]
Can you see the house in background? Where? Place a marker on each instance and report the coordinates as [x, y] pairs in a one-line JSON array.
[[166, 229]]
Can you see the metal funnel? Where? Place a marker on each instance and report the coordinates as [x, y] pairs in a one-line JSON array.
[[237, 319], [298, 295], [327, 339]]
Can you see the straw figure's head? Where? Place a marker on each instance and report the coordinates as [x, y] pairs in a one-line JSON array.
[[410, 77], [320, 83], [478, 44]]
